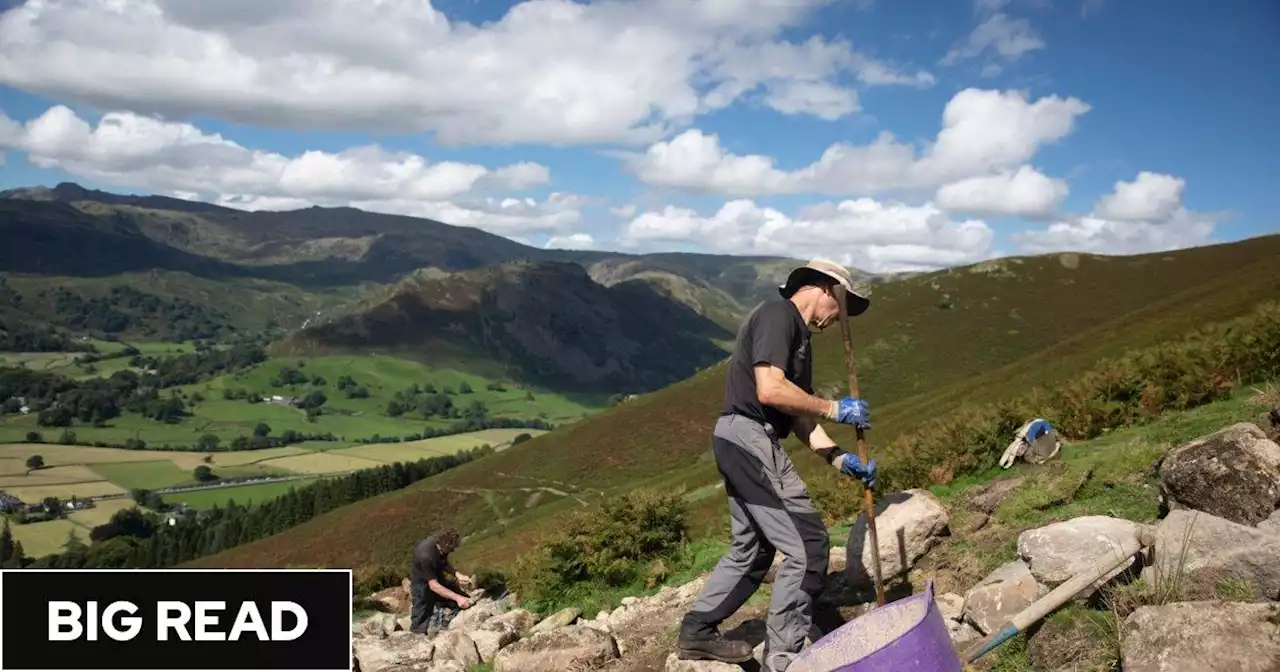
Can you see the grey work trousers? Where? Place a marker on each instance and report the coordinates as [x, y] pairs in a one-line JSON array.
[[769, 509]]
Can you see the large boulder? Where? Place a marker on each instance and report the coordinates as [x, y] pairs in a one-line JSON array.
[[999, 597], [908, 525], [951, 606], [1057, 552], [1271, 524], [1207, 549], [395, 599], [491, 636], [1233, 473], [478, 613], [400, 648], [457, 645], [837, 560], [520, 619], [380, 625], [1205, 635], [573, 647]]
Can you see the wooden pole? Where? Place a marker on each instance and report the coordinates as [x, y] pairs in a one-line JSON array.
[[868, 503]]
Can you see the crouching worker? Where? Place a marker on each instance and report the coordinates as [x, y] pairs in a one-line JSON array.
[[433, 583], [768, 396]]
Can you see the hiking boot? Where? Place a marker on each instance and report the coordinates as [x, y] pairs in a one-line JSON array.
[[714, 648]]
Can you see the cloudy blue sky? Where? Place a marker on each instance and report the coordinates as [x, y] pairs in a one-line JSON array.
[[889, 135]]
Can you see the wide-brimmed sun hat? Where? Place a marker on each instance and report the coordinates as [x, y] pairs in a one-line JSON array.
[[856, 297]]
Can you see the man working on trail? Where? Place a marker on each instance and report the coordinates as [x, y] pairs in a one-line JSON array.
[[769, 395], [433, 582]]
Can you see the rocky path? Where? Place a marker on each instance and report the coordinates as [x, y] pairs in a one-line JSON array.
[[1197, 589]]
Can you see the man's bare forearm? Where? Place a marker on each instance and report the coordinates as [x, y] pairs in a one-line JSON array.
[[813, 435], [787, 397], [440, 589]]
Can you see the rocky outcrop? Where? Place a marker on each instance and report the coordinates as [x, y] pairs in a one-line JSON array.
[[908, 525], [1207, 549], [1055, 553], [572, 647], [1233, 473], [999, 597], [1205, 635]]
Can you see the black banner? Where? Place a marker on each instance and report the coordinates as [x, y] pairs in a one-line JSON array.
[[175, 619]]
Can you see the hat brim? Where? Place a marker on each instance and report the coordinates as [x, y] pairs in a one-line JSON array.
[[855, 304]]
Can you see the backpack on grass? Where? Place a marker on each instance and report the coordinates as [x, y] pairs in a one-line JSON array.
[[1036, 441]]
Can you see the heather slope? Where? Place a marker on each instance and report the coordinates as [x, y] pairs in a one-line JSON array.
[[979, 333]]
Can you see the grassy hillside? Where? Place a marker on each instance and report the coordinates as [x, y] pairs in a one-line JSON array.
[[929, 343]]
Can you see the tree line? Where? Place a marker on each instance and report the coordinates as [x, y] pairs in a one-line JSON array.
[[142, 538], [126, 308], [17, 337], [60, 401]]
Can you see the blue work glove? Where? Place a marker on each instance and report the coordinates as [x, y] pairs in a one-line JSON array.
[[853, 466], [850, 411]]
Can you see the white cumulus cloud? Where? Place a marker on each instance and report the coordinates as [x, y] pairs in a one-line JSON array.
[[864, 233], [1025, 192], [1152, 196], [984, 133], [550, 71], [1145, 215], [140, 152], [573, 241]]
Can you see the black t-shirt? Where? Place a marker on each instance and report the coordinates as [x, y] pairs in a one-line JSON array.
[[428, 564], [774, 333]]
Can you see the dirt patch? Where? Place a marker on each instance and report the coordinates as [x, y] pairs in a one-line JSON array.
[[1071, 643]]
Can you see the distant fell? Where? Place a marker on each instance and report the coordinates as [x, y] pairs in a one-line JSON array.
[[546, 322]]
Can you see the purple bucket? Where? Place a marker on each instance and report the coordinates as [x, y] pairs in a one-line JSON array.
[[909, 635]]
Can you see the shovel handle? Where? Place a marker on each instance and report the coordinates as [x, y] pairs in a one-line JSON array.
[[868, 503]]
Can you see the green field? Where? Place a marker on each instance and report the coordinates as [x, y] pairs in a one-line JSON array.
[[933, 342], [164, 473], [346, 418], [442, 445], [88, 471], [242, 494]]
